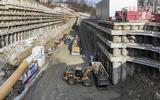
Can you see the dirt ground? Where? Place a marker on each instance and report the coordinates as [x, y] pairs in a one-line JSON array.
[[52, 86]]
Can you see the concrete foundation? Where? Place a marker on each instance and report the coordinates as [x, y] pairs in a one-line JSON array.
[[115, 72]]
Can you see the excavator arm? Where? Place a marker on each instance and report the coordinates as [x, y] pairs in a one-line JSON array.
[[88, 70]]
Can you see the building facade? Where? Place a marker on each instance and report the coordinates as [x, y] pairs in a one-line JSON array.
[[107, 8]]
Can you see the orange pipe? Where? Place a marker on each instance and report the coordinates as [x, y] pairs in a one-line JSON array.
[[11, 81]]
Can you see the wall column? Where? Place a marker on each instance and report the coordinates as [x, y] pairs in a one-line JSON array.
[[1, 41], [124, 52], [8, 36], [124, 70], [4, 40], [115, 72], [116, 52], [14, 37], [116, 39]]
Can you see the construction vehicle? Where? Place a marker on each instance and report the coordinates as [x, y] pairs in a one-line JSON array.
[[79, 75], [68, 39], [83, 75], [75, 49]]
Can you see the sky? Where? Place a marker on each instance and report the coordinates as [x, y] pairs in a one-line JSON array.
[[93, 1]]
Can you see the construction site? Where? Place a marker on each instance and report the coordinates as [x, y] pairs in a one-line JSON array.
[[79, 50]]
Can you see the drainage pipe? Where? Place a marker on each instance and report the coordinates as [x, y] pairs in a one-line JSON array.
[[11, 81]]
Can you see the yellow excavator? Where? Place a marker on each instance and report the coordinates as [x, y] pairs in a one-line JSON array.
[[83, 75], [79, 74]]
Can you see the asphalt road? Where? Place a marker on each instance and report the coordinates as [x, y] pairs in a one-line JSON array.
[[52, 86]]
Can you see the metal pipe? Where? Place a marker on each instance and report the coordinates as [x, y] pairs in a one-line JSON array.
[[11, 81]]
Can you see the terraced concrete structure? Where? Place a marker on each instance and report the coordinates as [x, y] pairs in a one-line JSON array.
[[18, 22], [125, 47], [25, 25]]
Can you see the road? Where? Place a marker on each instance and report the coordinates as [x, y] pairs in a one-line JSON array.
[[52, 86]]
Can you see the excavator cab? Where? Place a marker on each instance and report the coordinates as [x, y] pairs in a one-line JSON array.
[[78, 72], [84, 75]]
